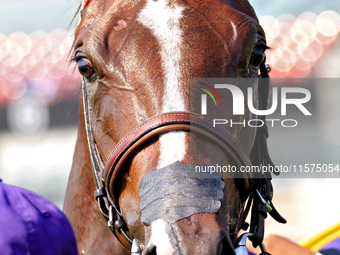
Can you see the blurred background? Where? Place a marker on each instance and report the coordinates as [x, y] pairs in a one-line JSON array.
[[39, 101], [38, 95]]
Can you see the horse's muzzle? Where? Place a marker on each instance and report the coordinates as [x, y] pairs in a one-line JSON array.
[[175, 239], [178, 191], [180, 207]]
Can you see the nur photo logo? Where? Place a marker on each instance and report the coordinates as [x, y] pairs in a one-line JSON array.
[[295, 96]]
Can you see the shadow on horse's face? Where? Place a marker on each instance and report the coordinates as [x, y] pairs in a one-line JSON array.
[[137, 58]]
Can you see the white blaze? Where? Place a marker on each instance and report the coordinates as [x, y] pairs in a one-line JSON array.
[[160, 238], [162, 18]]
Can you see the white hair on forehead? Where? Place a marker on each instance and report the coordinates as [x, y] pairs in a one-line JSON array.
[[163, 20]]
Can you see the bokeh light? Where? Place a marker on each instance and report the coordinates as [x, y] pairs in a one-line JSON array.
[[297, 43], [37, 65]]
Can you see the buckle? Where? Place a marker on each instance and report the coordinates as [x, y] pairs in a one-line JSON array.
[[241, 249], [266, 203]]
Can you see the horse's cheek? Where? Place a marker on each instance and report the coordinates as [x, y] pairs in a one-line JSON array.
[[229, 208], [129, 203]]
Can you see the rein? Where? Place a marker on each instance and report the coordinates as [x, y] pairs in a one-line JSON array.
[[259, 187]]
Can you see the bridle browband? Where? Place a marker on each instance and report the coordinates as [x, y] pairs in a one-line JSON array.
[[259, 187]]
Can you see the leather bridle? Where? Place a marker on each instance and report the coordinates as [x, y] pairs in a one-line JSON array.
[[259, 188]]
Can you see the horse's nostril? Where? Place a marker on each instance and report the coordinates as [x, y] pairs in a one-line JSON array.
[[225, 247], [150, 250], [219, 250]]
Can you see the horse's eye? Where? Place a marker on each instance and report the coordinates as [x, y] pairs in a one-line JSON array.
[[85, 68], [257, 57]]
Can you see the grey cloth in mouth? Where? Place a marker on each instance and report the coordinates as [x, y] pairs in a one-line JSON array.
[[177, 191]]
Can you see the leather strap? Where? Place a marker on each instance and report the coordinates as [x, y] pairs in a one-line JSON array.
[[174, 121], [118, 228], [260, 156]]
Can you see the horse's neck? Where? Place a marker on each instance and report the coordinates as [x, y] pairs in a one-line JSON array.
[[93, 235]]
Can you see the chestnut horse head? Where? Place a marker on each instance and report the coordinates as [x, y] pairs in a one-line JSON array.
[[136, 59]]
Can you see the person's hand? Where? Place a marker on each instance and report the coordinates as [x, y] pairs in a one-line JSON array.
[[278, 245]]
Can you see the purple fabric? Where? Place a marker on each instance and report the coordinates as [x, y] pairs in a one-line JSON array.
[[30, 224], [335, 244], [250, 253]]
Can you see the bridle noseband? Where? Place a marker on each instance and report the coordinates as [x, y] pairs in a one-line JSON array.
[[259, 187]]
